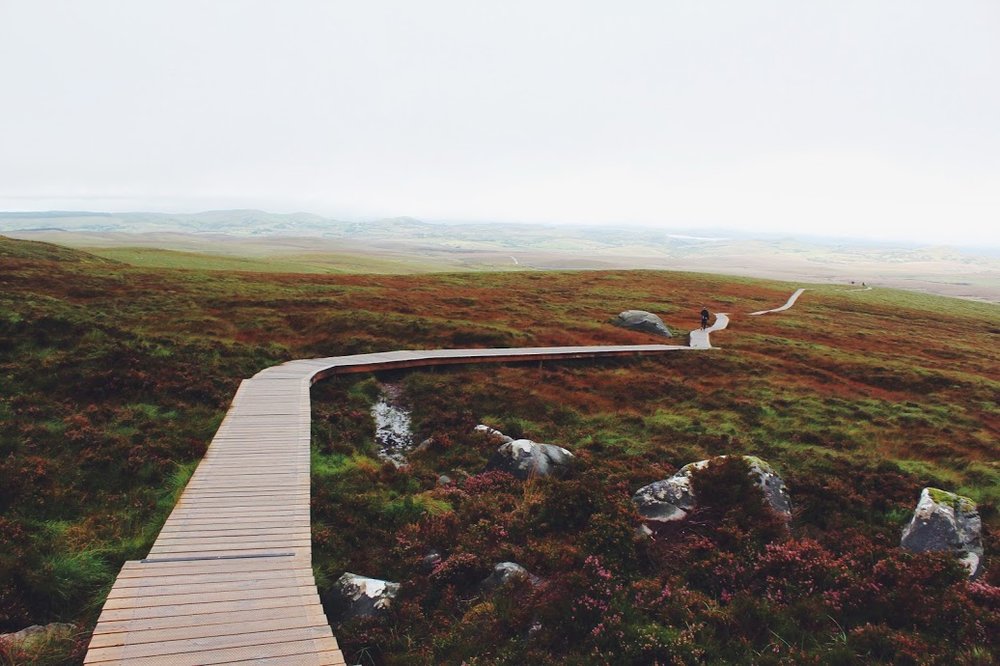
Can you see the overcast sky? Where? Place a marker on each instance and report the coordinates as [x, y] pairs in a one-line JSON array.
[[866, 118]]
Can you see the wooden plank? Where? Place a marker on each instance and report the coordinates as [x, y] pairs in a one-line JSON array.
[[219, 577], [134, 637], [193, 622], [233, 540], [196, 598], [146, 612], [242, 584], [307, 642], [201, 644], [214, 523], [170, 551], [139, 569], [224, 529]]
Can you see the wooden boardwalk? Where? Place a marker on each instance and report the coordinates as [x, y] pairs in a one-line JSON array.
[[229, 578]]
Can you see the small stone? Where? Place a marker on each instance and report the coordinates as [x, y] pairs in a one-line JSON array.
[[430, 560], [508, 573]]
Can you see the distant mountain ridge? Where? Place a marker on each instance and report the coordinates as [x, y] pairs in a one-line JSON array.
[[407, 243]]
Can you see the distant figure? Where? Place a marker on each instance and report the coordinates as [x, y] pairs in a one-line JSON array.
[[704, 318]]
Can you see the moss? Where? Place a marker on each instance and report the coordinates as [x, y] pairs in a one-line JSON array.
[[957, 502]]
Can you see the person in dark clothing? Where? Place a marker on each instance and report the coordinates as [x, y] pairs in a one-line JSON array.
[[704, 317]]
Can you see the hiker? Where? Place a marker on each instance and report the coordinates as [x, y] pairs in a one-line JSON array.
[[704, 318]]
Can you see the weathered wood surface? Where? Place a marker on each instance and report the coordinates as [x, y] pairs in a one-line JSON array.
[[229, 578]]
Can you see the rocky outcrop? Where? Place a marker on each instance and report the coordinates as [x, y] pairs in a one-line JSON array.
[[510, 573], [944, 521], [674, 498], [357, 596], [524, 458], [640, 320]]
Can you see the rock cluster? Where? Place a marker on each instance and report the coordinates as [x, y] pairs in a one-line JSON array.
[[944, 521], [673, 498], [640, 320], [525, 458]]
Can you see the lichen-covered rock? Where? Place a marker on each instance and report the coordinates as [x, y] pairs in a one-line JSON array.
[[508, 573], [674, 498], [38, 633], [944, 521], [640, 320], [524, 458], [358, 596], [492, 432], [666, 500]]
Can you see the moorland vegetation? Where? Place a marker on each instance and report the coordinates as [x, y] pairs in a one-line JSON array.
[[113, 379]]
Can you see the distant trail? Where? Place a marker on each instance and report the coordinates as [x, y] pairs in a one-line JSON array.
[[791, 301]]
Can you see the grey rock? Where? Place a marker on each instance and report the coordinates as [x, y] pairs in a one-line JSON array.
[[524, 458], [444, 480], [666, 500], [640, 320], [430, 560], [506, 573], [39, 632], [674, 498], [944, 521], [358, 596], [423, 446], [492, 432]]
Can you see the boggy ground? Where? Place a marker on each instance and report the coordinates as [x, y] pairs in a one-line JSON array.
[[114, 379]]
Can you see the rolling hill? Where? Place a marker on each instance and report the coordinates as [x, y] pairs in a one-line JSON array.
[[115, 376]]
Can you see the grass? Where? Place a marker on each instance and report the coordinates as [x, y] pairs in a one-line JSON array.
[[277, 262], [114, 378]]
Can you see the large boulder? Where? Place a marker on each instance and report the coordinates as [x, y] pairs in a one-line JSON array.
[[508, 573], [640, 320], [944, 521], [524, 458], [358, 596], [674, 498]]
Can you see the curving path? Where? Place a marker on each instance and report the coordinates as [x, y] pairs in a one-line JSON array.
[[699, 337], [789, 303], [229, 578]]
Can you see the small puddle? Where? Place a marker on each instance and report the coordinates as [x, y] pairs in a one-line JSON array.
[[392, 426]]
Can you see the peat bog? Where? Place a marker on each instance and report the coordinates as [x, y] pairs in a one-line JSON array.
[[114, 378]]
